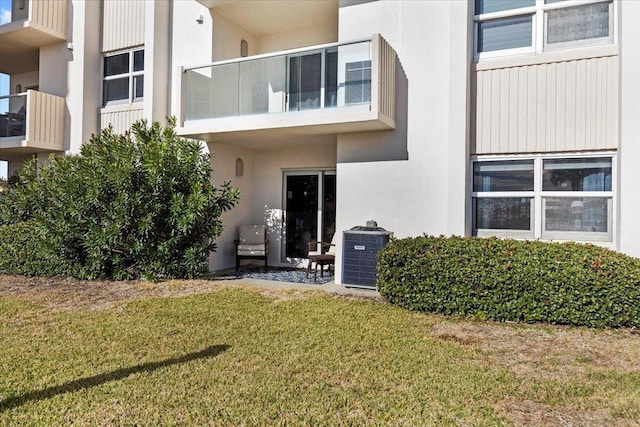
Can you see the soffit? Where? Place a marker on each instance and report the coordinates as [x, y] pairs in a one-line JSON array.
[[261, 17]]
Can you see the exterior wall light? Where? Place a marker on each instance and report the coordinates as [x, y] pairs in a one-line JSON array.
[[239, 167]]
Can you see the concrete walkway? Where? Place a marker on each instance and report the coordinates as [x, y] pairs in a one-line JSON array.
[[329, 287]]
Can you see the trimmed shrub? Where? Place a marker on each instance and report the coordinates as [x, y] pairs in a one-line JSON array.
[[132, 205], [509, 280]]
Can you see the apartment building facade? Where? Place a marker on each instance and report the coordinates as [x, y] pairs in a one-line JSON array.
[[514, 118]]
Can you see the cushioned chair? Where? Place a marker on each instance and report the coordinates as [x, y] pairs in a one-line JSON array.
[[252, 243], [325, 256]]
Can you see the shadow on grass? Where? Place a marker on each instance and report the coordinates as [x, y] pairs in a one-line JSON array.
[[96, 380]]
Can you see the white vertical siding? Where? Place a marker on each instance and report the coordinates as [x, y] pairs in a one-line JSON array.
[[120, 120], [122, 24], [560, 106], [45, 121], [49, 15]]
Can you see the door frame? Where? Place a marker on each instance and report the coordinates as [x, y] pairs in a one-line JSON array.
[[320, 173]]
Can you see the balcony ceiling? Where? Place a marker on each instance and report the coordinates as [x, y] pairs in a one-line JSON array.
[[261, 17], [19, 44]]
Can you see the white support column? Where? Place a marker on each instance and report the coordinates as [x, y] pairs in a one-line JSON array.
[[157, 60], [458, 199], [629, 153]]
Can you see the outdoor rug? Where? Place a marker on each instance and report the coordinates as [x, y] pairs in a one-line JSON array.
[[277, 274]]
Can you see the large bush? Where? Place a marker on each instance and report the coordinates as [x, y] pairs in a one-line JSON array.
[[25, 251], [508, 280], [138, 204]]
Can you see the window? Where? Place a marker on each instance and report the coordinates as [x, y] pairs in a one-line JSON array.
[[548, 197], [358, 82], [506, 27], [504, 192], [123, 77]]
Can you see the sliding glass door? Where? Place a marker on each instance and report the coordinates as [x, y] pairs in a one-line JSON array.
[[310, 210], [305, 81]]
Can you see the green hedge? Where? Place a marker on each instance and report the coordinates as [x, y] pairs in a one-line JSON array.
[[509, 280]]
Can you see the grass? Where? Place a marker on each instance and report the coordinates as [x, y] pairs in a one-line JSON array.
[[241, 356]]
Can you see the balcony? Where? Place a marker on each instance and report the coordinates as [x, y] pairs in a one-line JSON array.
[[33, 24], [31, 122], [328, 89]]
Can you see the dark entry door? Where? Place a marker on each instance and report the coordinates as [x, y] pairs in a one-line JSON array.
[[310, 210], [302, 214]]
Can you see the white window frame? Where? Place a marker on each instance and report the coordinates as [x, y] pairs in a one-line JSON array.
[[539, 28], [538, 197], [130, 74]]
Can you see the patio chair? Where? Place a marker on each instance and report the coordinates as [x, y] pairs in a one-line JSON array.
[[319, 258], [252, 243]]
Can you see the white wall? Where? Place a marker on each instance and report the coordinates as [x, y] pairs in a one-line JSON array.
[[309, 36], [427, 191], [157, 21], [223, 163], [23, 79], [629, 154], [186, 35], [15, 164], [17, 13], [227, 37], [55, 57], [76, 73]]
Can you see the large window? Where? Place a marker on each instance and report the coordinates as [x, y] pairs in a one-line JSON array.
[[548, 197], [123, 77], [506, 27]]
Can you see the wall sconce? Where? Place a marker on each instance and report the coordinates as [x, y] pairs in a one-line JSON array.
[[21, 4], [239, 167], [18, 88], [244, 49], [200, 19]]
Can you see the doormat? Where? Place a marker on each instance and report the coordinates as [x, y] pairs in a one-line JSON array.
[[277, 274]]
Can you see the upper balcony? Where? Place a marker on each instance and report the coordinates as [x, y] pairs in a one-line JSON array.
[[31, 122], [33, 24], [328, 89]]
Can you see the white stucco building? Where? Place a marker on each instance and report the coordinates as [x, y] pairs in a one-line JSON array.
[[514, 118]]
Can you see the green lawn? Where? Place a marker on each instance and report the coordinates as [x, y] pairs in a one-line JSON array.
[[238, 356]]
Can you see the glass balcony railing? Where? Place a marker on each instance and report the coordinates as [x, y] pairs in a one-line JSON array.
[[13, 116], [325, 77]]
